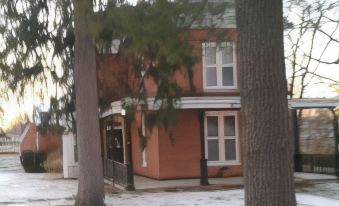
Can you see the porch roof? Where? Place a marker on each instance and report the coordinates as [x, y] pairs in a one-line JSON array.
[[205, 102], [313, 103], [217, 102]]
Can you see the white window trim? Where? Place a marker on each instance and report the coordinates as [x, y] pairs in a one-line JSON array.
[[143, 131], [219, 66], [220, 115]]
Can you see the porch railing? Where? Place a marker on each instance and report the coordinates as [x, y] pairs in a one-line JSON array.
[[121, 174], [316, 163]]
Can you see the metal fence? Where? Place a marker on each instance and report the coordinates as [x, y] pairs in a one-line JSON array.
[[119, 173], [9, 146], [316, 163]]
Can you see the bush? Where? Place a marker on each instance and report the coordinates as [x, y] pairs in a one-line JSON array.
[[32, 161], [53, 163]]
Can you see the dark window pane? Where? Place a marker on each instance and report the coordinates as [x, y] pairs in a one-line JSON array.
[[211, 76], [212, 126], [229, 126], [227, 54], [227, 76], [210, 55], [213, 150], [230, 153]]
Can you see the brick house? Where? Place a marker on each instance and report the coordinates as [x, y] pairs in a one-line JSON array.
[[206, 134]]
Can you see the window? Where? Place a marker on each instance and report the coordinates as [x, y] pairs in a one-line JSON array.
[[221, 138], [219, 65]]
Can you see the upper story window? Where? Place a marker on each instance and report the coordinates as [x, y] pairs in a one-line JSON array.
[[219, 71]]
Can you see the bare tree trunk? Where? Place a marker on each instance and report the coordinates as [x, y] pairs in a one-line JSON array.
[[268, 154], [91, 182]]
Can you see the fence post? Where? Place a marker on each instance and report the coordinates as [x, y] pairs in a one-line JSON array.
[[297, 156], [336, 136], [113, 172]]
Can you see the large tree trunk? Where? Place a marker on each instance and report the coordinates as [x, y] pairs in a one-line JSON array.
[[91, 182], [267, 148]]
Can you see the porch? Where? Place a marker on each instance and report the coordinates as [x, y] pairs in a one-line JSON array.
[[123, 155]]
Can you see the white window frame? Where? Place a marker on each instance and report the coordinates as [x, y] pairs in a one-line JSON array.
[[143, 152], [221, 138], [219, 66]]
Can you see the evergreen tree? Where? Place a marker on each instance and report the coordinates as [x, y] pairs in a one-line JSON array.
[[37, 52]]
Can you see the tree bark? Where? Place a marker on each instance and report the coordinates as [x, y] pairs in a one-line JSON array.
[[267, 148], [91, 182]]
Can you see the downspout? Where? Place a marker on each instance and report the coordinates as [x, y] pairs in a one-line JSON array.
[[37, 141]]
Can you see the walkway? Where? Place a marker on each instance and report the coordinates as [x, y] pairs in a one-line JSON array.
[[144, 183]]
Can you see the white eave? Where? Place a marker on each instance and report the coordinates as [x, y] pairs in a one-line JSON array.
[[313, 103], [212, 102]]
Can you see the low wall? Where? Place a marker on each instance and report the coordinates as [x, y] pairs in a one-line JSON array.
[[70, 165]]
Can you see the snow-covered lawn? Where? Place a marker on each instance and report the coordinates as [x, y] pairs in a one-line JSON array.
[[19, 188], [213, 198], [50, 189]]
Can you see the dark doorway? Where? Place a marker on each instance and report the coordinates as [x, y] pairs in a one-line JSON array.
[[115, 145]]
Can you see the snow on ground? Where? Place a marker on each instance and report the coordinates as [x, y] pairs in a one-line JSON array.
[[313, 176], [215, 198], [323, 188], [310, 200], [19, 188], [10, 163]]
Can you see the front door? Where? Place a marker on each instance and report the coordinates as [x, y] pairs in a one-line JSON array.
[[114, 140]]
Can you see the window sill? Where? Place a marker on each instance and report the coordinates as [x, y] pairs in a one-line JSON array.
[[221, 90], [219, 163]]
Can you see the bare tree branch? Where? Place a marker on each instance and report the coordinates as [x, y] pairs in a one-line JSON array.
[[324, 62], [329, 36]]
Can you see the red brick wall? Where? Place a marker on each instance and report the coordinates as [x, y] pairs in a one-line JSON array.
[[178, 160], [103, 125], [47, 142], [28, 142], [152, 151], [113, 72], [181, 160]]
